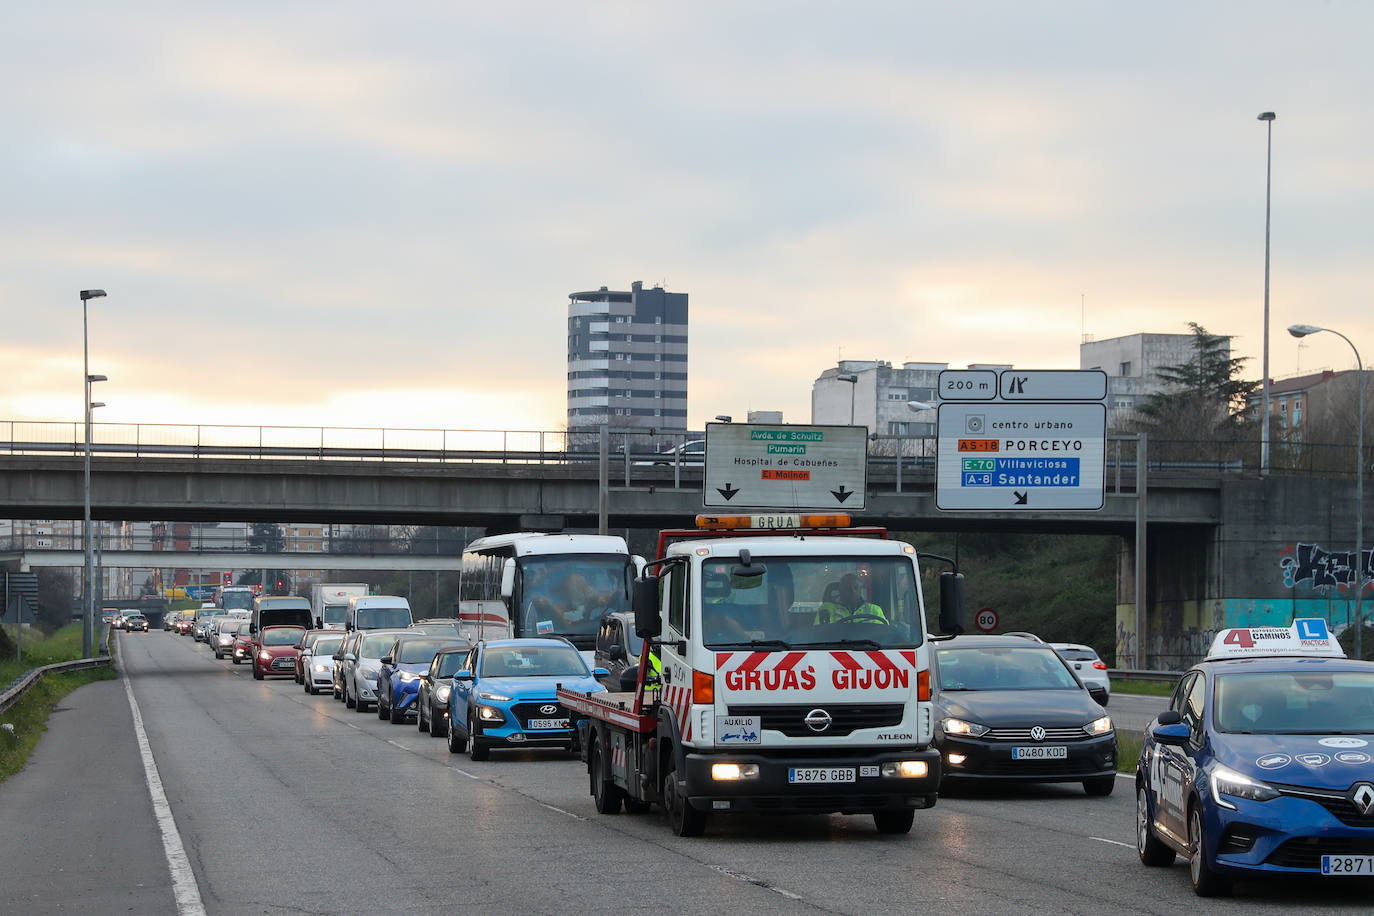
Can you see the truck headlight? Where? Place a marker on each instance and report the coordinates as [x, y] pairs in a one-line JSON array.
[[963, 728], [907, 769], [728, 772], [1226, 781]]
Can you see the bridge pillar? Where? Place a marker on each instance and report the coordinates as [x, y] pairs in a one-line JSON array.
[[1283, 548]]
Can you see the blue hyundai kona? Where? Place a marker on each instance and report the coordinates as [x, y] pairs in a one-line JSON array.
[[1262, 764], [506, 695]]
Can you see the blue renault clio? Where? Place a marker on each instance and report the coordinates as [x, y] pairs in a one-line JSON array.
[[506, 695], [1263, 764]]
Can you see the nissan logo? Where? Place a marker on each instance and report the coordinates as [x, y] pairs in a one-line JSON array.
[[1363, 797], [1037, 733], [818, 720], [548, 709]]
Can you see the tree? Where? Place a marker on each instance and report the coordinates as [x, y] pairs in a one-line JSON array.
[[55, 590], [1203, 402]]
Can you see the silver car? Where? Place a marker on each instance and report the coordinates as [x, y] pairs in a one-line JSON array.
[[361, 664], [1091, 670], [222, 633]]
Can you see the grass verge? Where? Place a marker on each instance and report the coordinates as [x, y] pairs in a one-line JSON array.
[[1127, 751], [1144, 688], [62, 646], [30, 715]]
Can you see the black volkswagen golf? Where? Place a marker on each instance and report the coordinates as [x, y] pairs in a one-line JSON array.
[[1009, 708]]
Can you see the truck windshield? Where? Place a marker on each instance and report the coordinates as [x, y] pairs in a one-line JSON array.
[[335, 614], [812, 602], [568, 595], [237, 601], [383, 618]]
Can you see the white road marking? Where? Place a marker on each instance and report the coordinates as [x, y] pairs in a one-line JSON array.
[[184, 886], [1113, 842], [757, 882], [576, 817], [394, 744], [466, 773]]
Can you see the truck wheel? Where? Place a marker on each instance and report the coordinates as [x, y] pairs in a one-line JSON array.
[[605, 793], [683, 819], [894, 821]]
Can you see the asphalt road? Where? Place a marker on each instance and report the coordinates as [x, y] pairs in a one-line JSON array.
[[288, 803]]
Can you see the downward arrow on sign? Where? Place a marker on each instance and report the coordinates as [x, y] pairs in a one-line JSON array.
[[729, 491], [841, 494], [1020, 497]]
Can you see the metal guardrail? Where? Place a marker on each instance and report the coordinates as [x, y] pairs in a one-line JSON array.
[[21, 686]]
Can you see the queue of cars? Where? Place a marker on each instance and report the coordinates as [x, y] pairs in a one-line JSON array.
[[1262, 764]]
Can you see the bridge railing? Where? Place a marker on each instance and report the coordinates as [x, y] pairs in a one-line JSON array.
[[894, 462]]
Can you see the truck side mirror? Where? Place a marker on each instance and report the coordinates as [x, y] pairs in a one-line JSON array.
[[648, 624], [951, 603]]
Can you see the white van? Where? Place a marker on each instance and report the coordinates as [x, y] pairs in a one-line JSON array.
[[377, 612]]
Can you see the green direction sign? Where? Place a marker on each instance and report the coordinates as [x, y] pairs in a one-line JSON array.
[[783, 466]]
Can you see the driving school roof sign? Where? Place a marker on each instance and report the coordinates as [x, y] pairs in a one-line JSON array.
[[782, 466], [1021, 440]]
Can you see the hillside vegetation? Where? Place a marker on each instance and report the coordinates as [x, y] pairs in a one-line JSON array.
[[1060, 587]]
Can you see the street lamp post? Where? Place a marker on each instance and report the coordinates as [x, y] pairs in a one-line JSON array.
[[1268, 117], [88, 616], [853, 381], [1302, 330]]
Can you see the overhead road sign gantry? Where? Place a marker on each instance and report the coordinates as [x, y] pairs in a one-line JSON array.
[[785, 466], [1023, 385]]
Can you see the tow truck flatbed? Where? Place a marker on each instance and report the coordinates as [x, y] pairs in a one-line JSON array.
[[617, 708]]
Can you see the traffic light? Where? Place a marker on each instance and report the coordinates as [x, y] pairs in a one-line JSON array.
[[280, 583], [228, 578]]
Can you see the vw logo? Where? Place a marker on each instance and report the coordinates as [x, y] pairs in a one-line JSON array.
[[1037, 733], [548, 709], [818, 720], [1363, 797]]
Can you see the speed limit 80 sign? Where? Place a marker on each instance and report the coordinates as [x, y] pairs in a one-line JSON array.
[[986, 620]]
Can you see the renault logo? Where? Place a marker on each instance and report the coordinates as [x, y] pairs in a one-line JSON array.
[[818, 720], [1363, 797], [1037, 733], [548, 709]]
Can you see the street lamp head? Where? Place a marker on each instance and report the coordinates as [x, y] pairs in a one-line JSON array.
[[1302, 330], [725, 419], [92, 294], [852, 379], [1266, 116], [97, 378], [95, 404], [920, 405]]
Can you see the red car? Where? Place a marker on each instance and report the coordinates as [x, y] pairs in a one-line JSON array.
[[243, 647], [274, 651]]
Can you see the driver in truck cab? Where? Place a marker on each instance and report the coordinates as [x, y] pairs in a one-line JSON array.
[[844, 600]]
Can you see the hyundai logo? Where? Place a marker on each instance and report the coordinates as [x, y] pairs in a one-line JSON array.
[[1363, 797], [1037, 733], [818, 720], [548, 709]]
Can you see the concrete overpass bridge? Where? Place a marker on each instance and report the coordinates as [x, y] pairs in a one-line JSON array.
[[1223, 547]]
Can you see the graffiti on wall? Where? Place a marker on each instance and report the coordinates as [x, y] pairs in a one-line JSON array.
[[1325, 568]]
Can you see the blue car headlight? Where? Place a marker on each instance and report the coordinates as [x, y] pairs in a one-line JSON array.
[[408, 677], [1226, 781]]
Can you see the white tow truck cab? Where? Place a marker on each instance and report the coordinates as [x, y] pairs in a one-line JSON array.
[[795, 678]]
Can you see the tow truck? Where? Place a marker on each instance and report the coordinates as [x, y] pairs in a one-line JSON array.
[[773, 697]]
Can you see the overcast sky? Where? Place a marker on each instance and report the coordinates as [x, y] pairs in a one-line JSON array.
[[363, 214]]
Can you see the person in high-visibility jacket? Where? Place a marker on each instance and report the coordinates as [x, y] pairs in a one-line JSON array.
[[848, 602], [654, 676]]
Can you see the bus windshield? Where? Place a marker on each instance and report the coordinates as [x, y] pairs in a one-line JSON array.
[[568, 595]]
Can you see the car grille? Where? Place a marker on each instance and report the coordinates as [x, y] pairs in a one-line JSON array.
[[1024, 734], [1335, 802], [1082, 766], [844, 719], [1307, 852], [526, 711]]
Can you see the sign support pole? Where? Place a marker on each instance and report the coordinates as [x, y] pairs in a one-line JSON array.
[[1142, 447]]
